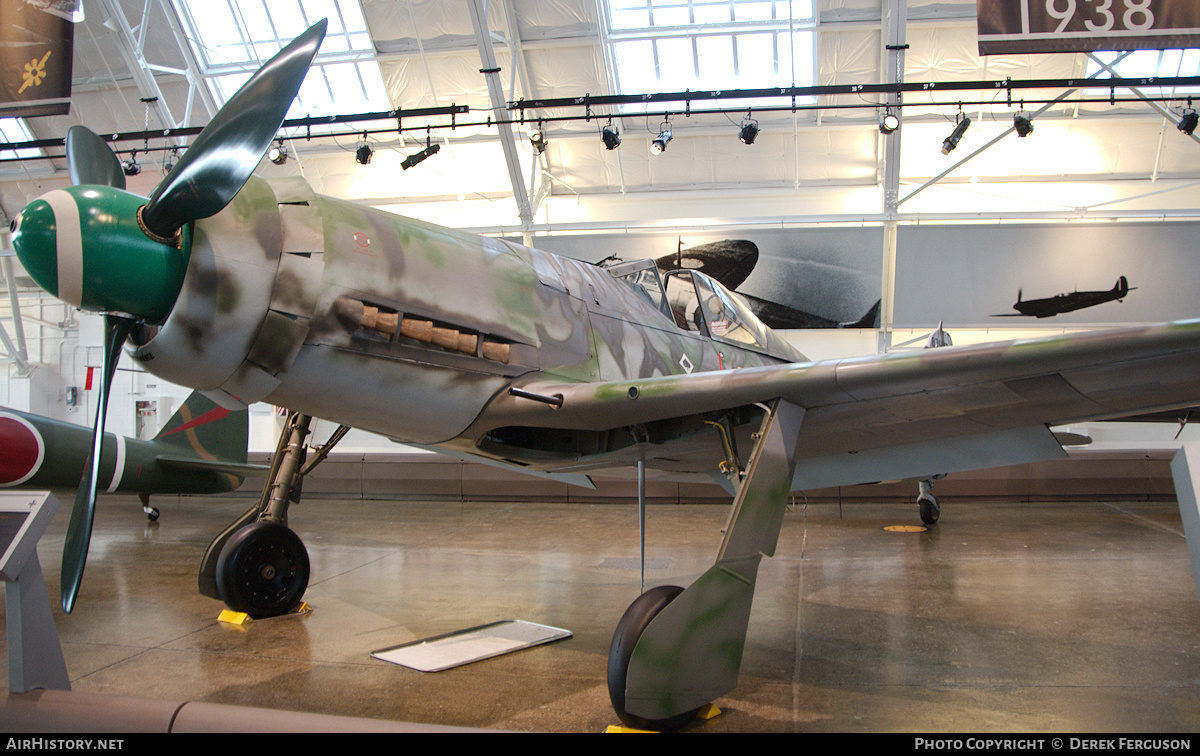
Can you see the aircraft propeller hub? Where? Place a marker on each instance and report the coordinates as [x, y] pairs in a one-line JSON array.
[[83, 245]]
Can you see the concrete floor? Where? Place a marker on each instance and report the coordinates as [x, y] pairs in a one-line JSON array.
[[1059, 617]]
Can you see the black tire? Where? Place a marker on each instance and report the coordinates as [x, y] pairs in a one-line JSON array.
[[930, 510], [633, 623], [152, 515], [262, 570]]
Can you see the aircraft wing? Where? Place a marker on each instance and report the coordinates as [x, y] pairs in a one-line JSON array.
[[915, 414]]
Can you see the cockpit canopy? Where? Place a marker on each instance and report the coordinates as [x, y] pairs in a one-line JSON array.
[[697, 303]]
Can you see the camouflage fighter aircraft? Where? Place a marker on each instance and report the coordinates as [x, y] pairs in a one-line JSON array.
[[201, 450], [253, 290]]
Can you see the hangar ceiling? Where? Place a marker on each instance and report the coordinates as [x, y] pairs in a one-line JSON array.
[[826, 161]]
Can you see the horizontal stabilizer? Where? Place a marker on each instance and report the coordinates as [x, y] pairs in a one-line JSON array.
[[215, 465]]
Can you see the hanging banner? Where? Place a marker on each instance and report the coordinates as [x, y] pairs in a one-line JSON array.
[[1031, 26], [36, 52]]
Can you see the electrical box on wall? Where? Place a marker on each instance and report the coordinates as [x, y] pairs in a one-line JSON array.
[[145, 421]]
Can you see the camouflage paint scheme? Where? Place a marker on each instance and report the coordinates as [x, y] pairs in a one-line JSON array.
[[267, 313], [271, 307], [488, 349], [201, 450]]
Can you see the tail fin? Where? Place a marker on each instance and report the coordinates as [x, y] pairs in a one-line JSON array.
[[208, 430]]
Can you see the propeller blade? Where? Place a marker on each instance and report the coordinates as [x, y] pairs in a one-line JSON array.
[[219, 163], [79, 530], [91, 161]]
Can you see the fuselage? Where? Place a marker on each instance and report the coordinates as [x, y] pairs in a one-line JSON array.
[[410, 330], [38, 452]]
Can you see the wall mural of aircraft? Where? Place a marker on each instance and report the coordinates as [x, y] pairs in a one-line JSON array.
[[730, 262], [1060, 303], [201, 450], [253, 290]]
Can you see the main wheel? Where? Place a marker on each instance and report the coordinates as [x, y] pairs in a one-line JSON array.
[[633, 623], [929, 509], [262, 570]]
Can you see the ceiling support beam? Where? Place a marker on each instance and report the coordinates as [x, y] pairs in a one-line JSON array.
[[1108, 68], [539, 188], [18, 352], [508, 143], [129, 44], [895, 25], [194, 72]]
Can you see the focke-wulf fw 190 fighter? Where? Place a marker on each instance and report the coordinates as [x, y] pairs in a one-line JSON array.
[[263, 291]]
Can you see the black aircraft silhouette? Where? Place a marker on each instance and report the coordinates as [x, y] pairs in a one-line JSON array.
[[1051, 306]]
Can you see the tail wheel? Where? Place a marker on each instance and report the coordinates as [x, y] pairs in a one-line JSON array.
[[263, 570], [633, 623], [929, 509]]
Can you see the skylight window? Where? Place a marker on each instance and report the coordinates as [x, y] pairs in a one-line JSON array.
[[701, 45], [232, 38], [15, 130], [1149, 63]]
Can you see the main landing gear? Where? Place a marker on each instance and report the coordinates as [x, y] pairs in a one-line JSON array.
[[676, 650], [258, 565]]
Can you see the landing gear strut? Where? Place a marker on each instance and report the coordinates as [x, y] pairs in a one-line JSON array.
[[675, 651], [258, 565]]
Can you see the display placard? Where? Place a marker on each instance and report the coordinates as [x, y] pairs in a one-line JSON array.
[[24, 516], [1024, 26]]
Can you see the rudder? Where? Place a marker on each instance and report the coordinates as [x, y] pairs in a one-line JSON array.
[[208, 430]]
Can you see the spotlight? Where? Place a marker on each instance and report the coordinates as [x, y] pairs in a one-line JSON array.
[[363, 153], [411, 160], [749, 131], [1188, 123], [660, 142], [171, 160], [1023, 125], [889, 123], [130, 166], [952, 140], [611, 137], [538, 140], [279, 154]]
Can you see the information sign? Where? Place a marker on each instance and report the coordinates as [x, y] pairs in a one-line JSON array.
[[1024, 26]]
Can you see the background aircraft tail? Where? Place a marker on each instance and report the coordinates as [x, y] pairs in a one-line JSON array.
[[210, 431]]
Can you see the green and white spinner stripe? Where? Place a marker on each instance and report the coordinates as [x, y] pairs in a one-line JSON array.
[[69, 243]]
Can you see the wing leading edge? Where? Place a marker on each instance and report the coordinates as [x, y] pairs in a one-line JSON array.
[[912, 414]]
